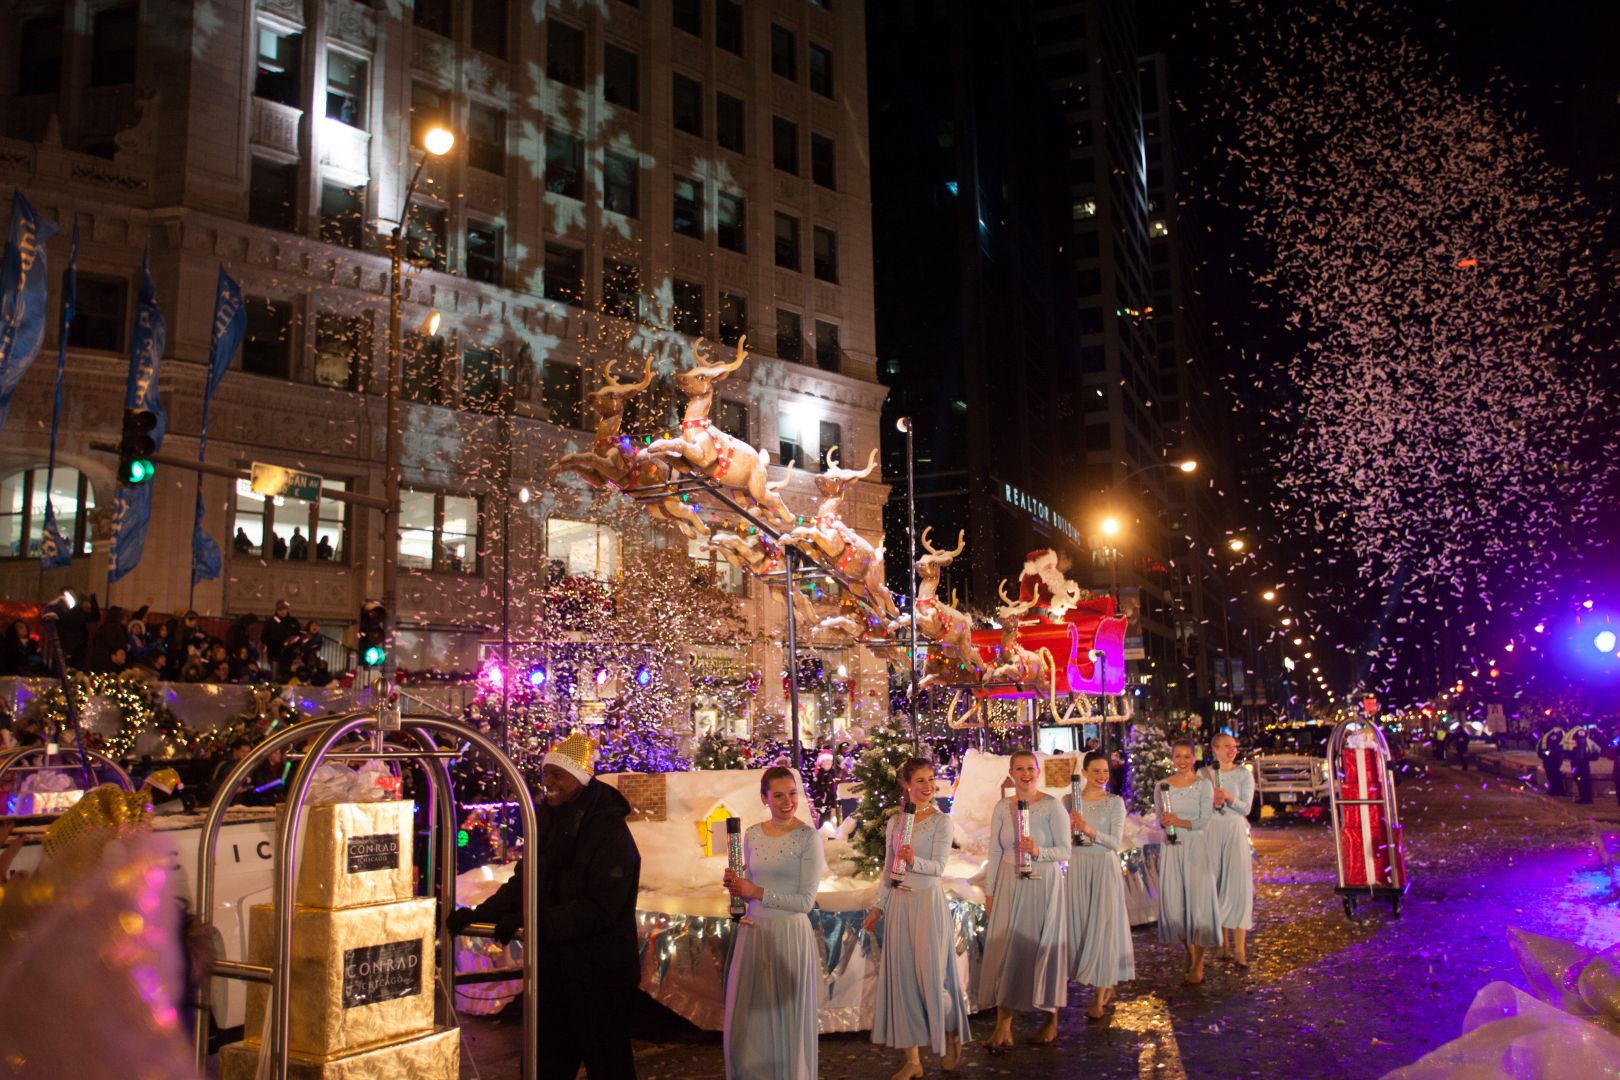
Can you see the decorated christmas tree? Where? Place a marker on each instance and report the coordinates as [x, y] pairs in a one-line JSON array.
[[878, 772], [1147, 761], [715, 751]]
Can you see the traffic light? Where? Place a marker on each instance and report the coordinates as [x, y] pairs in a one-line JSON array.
[[373, 635], [136, 446]]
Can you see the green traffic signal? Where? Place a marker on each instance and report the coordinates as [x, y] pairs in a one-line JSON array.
[[374, 655], [138, 471]]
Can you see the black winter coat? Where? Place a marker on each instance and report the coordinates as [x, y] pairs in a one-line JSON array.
[[589, 873]]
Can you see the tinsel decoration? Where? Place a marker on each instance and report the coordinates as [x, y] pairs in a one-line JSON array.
[[878, 772]]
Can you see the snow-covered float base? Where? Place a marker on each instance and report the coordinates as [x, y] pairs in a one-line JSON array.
[[682, 911]]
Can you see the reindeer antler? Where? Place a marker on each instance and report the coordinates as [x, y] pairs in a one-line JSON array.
[[871, 463], [961, 544], [613, 385], [705, 370], [832, 459]]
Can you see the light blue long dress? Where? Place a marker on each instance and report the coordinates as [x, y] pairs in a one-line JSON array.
[[919, 999], [1099, 924], [1233, 855], [1188, 909], [773, 987], [1026, 945]]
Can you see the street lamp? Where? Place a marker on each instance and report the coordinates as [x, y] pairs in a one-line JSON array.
[[904, 426], [437, 142], [1236, 544], [1269, 595]]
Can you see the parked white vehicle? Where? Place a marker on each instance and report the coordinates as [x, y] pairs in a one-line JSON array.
[[1290, 768]]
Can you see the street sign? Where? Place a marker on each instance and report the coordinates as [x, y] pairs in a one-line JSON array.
[[273, 480]]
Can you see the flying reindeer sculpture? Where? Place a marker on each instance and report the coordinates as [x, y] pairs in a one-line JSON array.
[[718, 455], [1024, 668], [832, 542], [757, 555], [952, 657], [607, 464]]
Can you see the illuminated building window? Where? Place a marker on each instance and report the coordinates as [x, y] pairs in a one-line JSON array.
[[346, 79], [784, 52], [1158, 228], [714, 568], [729, 129], [621, 78], [687, 95], [483, 380], [565, 165], [731, 221], [438, 532], [789, 440], [280, 57], [582, 548], [22, 511], [831, 435], [1085, 208], [688, 207], [731, 417], [280, 527], [787, 241]]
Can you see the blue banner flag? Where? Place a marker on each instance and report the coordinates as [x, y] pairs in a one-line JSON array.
[[230, 326], [22, 295], [132, 507], [54, 551]]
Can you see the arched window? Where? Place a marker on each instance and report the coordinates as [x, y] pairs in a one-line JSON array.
[[22, 511]]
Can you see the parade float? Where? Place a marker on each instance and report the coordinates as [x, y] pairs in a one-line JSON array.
[[1053, 647]]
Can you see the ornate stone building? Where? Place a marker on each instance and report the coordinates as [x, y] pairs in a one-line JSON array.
[[626, 177]]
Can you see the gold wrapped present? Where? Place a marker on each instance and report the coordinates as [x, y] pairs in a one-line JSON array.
[[356, 853], [360, 976], [436, 1056]]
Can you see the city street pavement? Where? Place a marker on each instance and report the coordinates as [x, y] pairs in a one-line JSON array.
[[1325, 996]]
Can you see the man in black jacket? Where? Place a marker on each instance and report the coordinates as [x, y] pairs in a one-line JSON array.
[[589, 962], [278, 629]]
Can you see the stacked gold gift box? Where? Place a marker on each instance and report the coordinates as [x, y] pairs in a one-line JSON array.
[[362, 957]]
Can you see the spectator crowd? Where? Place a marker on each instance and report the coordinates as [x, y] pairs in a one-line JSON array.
[[280, 649]]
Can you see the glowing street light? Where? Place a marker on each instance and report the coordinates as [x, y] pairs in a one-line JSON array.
[[1269, 595], [1236, 543], [1604, 641], [1188, 466], [1110, 526], [439, 141]]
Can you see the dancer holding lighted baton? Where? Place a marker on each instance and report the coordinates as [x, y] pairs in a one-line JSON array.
[[771, 990], [919, 1000], [1188, 909], [1099, 923], [1026, 946]]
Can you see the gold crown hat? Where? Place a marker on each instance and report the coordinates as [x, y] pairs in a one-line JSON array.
[[575, 755]]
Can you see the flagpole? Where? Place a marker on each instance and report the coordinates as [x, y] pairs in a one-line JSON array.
[[50, 549]]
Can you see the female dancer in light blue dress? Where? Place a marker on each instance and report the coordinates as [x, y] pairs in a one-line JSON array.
[[919, 1000], [773, 986], [1026, 944], [1188, 909], [1229, 840], [1099, 924]]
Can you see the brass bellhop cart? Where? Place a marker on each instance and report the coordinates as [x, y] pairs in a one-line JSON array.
[[431, 744]]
